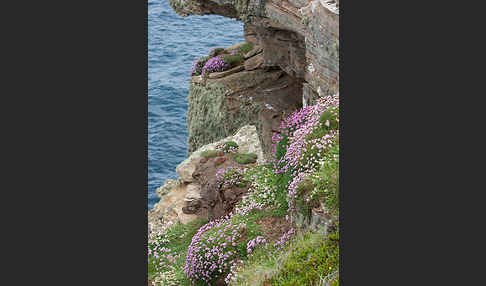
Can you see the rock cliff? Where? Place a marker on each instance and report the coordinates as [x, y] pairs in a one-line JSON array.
[[295, 61]]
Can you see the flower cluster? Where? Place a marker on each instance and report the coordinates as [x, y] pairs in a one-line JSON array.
[[231, 176], [228, 146], [252, 244], [232, 273], [163, 259], [166, 278], [261, 193], [215, 64], [294, 132], [284, 239], [198, 65], [212, 251]]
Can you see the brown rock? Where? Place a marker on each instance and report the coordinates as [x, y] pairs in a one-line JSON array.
[[219, 161], [256, 50], [226, 73], [192, 207], [254, 62], [203, 160]]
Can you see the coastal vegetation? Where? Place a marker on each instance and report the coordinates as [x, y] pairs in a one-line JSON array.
[[219, 60], [259, 242]]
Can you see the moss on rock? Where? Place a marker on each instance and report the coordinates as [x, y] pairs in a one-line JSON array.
[[209, 118]]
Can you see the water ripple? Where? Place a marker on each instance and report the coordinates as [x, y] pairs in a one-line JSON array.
[[174, 43]]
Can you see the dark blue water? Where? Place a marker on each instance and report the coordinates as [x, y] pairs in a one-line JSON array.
[[174, 42]]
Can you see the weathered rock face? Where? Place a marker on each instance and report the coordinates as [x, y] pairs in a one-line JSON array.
[[219, 105], [247, 139], [299, 36], [215, 202], [295, 61], [196, 194], [169, 208]]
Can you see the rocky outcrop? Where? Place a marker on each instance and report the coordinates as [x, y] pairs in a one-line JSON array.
[[294, 62], [247, 139], [196, 194], [248, 94], [169, 208], [301, 37]]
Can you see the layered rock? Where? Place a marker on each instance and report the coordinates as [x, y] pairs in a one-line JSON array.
[[301, 37], [196, 193], [248, 94], [295, 61]]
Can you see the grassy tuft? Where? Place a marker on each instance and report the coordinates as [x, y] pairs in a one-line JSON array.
[[246, 47], [308, 259], [216, 51], [242, 158], [176, 238], [209, 153], [233, 61]]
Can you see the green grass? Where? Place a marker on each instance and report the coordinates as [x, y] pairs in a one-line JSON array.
[[228, 144], [308, 260], [242, 158], [216, 51], [330, 115], [322, 186], [179, 237], [233, 60], [282, 146], [209, 153], [246, 47], [252, 230]]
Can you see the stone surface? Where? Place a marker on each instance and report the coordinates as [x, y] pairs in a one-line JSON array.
[[166, 187], [299, 36], [219, 161], [226, 73], [217, 109], [215, 202], [254, 62], [246, 138], [186, 168], [169, 208], [255, 51], [193, 192]]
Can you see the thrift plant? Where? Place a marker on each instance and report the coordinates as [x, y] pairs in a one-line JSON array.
[[216, 64], [198, 65], [167, 249], [212, 251], [299, 151], [262, 192], [231, 176], [228, 147]]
